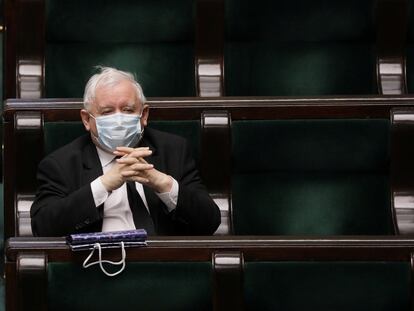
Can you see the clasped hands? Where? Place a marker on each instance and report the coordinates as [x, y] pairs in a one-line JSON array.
[[131, 166]]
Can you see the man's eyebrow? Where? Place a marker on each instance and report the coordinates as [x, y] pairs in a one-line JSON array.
[[105, 106], [130, 106]]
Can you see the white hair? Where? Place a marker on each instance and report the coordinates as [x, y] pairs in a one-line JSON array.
[[108, 76]]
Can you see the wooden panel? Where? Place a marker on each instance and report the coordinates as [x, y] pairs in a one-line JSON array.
[[209, 41], [240, 108], [24, 48], [215, 162], [228, 280], [392, 23], [23, 133], [188, 248], [31, 281], [402, 168]]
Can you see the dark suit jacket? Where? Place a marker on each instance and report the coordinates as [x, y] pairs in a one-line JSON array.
[[64, 202]]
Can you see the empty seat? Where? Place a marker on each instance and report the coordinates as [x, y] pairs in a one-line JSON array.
[[327, 286], [313, 177], [142, 286], [154, 39], [300, 48]]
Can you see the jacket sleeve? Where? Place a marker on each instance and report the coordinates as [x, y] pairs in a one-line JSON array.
[[196, 210], [59, 207]]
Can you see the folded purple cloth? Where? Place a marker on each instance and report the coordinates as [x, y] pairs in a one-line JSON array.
[[138, 237]]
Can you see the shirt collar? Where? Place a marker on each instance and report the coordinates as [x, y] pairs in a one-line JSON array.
[[104, 156]]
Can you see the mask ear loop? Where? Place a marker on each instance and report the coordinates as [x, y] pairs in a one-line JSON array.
[[100, 261]]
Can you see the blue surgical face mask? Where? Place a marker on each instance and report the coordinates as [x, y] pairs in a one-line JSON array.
[[118, 130]]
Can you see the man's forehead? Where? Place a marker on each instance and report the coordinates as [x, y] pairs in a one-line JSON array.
[[118, 95], [115, 88]]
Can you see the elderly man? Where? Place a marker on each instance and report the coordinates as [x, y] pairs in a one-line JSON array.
[[120, 177]]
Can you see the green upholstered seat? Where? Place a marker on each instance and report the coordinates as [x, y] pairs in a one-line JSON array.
[[58, 134], [153, 39], [191, 130], [142, 286], [327, 286], [315, 177], [300, 47]]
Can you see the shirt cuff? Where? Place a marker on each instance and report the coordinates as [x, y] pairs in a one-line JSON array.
[[170, 198], [99, 192]]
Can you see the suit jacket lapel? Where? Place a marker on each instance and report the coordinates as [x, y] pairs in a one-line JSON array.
[[152, 199], [92, 168]]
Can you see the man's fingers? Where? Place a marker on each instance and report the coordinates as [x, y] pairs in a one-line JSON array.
[[133, 175], [141, 166], [128, 149], [135, 153], [119, 153], [127, 160], [140, 153], [139, 179], [131, 160], [127, 174], [136, 169], [136, 166]]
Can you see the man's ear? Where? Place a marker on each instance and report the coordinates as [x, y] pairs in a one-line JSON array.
[[85, 119], [144, 116]]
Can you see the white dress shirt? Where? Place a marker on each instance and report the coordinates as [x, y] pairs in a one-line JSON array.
[[117, 212]]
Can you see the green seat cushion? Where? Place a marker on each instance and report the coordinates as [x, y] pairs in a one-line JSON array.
[[120, 21], [162, 69], [327, 286], [300, 20], [58, 134], [190, 130], [311, 177], [311, 145], [300, 47], [299, 69], [153, 39], [311, 204], [142, 286]]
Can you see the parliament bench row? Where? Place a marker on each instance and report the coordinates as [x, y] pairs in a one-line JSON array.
[[275, 166], [211, 47], [216, 273]]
